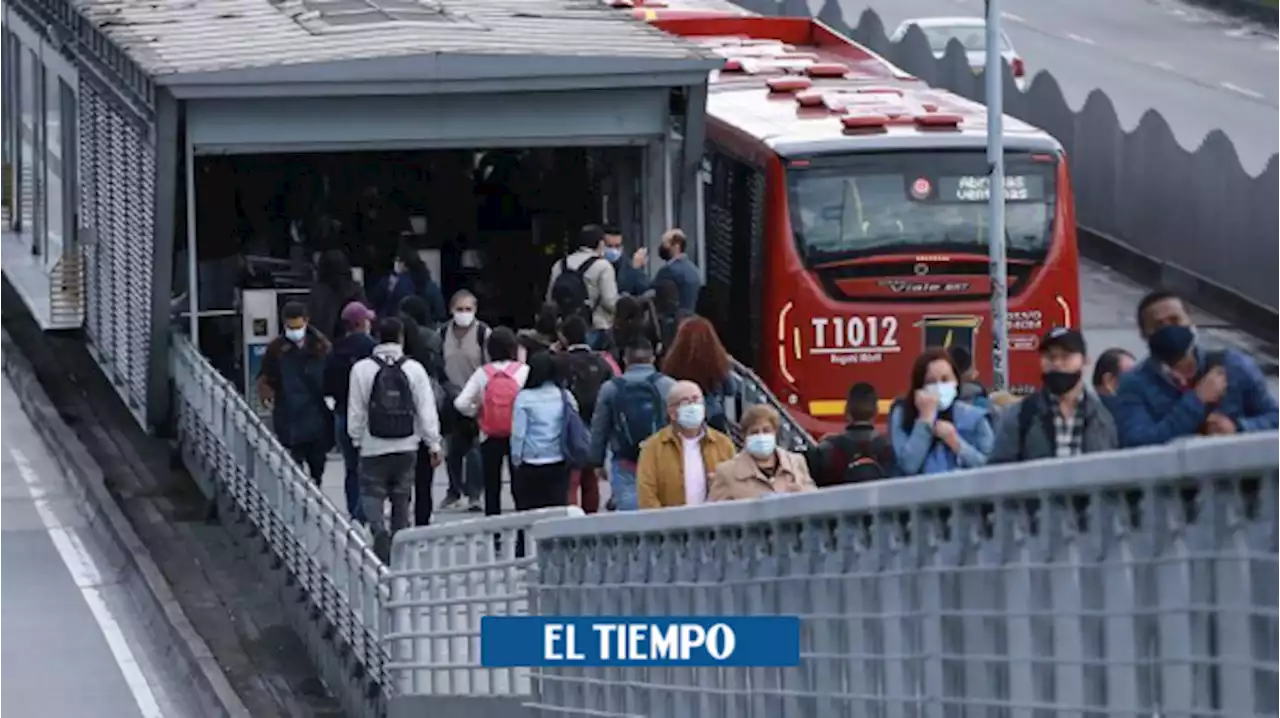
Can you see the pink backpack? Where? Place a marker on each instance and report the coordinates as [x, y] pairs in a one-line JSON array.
[[498, 404]]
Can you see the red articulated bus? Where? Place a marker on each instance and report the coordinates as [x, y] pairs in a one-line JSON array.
[[846, 214]]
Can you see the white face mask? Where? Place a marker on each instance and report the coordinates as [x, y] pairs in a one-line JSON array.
[[464, 319], [946, 392], [691, 416], [762, 445], [295, 335]]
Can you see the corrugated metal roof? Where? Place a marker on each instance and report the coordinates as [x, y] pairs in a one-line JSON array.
[[169, 37]]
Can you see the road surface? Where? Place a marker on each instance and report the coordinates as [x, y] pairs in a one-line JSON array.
[[76, 644], [1201, 70]]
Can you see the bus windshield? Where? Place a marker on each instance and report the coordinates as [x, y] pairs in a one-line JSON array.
[[855, 205]]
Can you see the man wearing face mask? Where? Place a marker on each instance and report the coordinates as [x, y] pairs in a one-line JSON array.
[[676, 462], [291, 384], [1184, 390], [1065, 418], [631, 277], [679, 269], [463, 340]]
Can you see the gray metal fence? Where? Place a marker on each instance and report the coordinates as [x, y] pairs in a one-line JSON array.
[[443, 580], [323, 564], [1137, 583], [1137, 191], [117, 215]]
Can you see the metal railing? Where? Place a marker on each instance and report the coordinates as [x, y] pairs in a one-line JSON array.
[[1137, 583], [443, 580], [754, 391], [229, 447]]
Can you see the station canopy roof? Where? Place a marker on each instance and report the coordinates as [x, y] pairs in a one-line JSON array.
[[494, 44]]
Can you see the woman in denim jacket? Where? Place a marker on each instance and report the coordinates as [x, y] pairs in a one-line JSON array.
[[932, 432], [540, 476]]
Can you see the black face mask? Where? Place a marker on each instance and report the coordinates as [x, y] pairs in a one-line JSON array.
[[1169, 344], [664, 253], [1060, 382]]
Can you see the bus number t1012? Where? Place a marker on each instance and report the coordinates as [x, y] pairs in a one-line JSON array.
[[855, 339]]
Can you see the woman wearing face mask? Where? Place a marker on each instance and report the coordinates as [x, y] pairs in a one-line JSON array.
[[761, 468], [932, 432]]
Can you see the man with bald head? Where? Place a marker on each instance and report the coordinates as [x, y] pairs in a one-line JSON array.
[[676, 462]]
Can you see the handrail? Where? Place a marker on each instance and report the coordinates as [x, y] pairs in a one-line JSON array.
[[753, 390], [224, 439]]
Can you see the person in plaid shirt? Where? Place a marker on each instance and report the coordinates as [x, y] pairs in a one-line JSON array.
[[1065, 418]]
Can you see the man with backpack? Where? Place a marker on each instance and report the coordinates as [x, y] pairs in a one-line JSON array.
[[585, 283], [629, 409], [1065, 418], [490, 396], [583, 371], [861, 453], [390, 409]]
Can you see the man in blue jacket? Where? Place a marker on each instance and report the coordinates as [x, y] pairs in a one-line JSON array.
[[679, 269], [1184, 390], [356, 344]]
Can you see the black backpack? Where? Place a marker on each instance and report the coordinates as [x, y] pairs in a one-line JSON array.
[[391, 407], [569, 291], [860, 457], [638, 412], [586, 373]]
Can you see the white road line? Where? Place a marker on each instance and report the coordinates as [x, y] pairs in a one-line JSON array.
[[84, 571], [1242, 90], [1080, 38], [1163, 65], [1011, 16]]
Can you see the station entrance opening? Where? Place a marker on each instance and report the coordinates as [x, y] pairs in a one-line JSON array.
[[491, 221]]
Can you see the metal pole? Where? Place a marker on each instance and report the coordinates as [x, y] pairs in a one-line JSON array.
[[193, 264], [994, 75]]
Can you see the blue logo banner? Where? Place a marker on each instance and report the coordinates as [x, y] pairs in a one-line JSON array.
[[507, 641]]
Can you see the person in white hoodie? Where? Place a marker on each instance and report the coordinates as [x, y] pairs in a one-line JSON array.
[[390, 409]]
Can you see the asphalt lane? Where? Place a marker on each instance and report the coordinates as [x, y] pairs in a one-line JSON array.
[[1201, 70], [75, 643]]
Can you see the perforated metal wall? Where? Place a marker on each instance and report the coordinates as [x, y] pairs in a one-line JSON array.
[[117, 214], [735, 249]]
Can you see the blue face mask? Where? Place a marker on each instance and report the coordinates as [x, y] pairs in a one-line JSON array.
[[691, 416], [1169, 344], [295, 335], [946, 391], [612, 254], [762, 445]]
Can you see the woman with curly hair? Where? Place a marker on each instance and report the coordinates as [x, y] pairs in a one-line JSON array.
[[697, 355]]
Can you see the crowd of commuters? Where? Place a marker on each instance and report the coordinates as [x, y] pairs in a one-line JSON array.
[[948, 421], [619, 380], [400, 382]]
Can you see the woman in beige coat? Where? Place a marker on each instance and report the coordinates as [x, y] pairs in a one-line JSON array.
[[761, 468]]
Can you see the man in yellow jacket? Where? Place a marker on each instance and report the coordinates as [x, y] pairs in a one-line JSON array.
[[676, 462]]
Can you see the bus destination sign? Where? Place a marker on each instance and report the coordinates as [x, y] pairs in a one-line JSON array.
[[1017, 188]]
